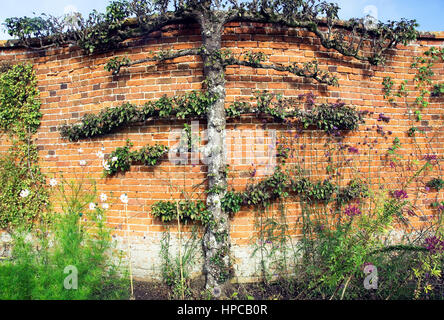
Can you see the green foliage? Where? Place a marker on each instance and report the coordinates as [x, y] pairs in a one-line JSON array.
[[19, 101], [438, 90], [320, 192], [122, 158], [423, 77], [255, 58], [281, 185], [79, 238], [423, 83], [225, 271], [332, 118], [393, 155], [186, 210], [150, 155], [105, 31], [23, 197], [355, 190], [97, 32], [329, 118], [26, 28], [412, 131], [236, 109], [267, 190], [427, 273], [335, 253], [115, 64], [272, 243], [108, 120], [176, 270], [388, 86], [192, 104], [232, 202], [17, 179], [436, 184]]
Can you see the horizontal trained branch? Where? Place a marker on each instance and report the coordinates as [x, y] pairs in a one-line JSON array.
[[330, 118], [282, 184], [193, 104], [188, 211], [122, 158], [308, 70], [115, 64], [278, 186]]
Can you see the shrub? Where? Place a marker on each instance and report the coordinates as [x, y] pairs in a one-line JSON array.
[[77, 238], [335, 253]]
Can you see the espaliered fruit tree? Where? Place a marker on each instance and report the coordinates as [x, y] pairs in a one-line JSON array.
[[364, 40]]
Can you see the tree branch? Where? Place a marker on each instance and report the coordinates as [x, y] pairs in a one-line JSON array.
[[309, 70], [348, 38], [116, 64]]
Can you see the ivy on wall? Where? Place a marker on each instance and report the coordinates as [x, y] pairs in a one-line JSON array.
[[23, 195]]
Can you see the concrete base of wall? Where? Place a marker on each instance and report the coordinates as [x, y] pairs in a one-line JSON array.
[[147, 260]]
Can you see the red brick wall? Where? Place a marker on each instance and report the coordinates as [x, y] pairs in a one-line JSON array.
[[72, 84]]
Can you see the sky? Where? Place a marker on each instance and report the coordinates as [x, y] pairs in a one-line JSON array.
[[428, 13]]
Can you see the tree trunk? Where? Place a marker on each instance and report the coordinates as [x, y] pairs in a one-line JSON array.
[[216, 241]]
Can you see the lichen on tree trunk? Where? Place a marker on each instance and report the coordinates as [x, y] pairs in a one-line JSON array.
[[216, 242]]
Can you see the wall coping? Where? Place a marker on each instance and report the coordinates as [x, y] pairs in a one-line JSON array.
[[423, 35]]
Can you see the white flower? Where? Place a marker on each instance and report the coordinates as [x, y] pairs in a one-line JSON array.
[[124, 198], [82, 162], [103, 197], [52, 182], [103, 148], [80, 150], [105, 206], [92, 206], [100, 154], [114, 159], [106, 165], [24, 193]]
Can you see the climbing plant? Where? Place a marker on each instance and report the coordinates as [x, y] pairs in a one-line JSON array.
[[424, 84], [22, 196]]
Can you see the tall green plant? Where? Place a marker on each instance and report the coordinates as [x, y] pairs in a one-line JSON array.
[[77, 243]]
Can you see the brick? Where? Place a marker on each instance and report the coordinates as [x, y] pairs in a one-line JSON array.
[[72, 84]]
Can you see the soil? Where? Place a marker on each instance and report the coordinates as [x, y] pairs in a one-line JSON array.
[[249, 291], [151, 291]]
